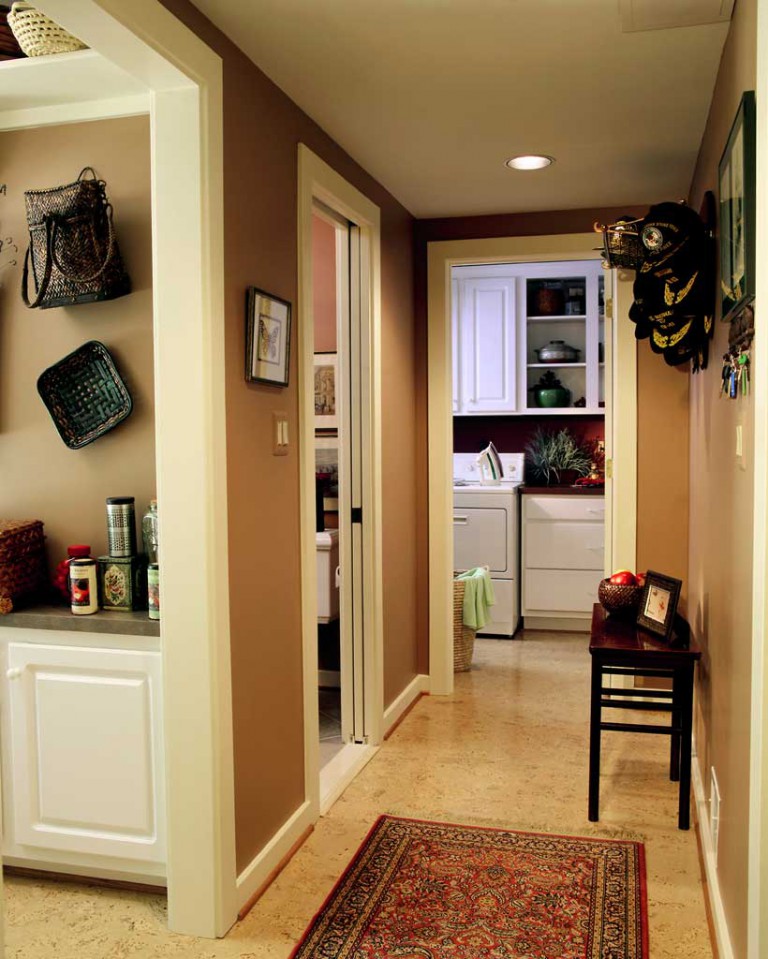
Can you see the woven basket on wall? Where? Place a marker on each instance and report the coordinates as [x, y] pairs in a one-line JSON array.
[[22, 562], [463, 636], [38, 35]]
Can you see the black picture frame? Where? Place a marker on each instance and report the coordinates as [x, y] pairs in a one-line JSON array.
[[736, 192], [267, 338], [658, 604]]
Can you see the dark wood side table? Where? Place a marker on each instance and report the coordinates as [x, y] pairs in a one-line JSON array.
[[619, 648]]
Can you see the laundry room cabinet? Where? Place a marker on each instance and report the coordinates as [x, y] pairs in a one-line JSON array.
[[504, 314], [562, 556], [83, 782]]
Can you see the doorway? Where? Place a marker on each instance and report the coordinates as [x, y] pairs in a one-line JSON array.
[[340, 447], [619, 451]]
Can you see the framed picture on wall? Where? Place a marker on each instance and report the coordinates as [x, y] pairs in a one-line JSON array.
[[737, 212], [326, 384], [267, 338], [658, 604]]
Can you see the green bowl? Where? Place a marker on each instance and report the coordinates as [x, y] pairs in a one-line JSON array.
[[553, 397]]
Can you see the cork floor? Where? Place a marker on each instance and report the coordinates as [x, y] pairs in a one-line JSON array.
[[508, 749]]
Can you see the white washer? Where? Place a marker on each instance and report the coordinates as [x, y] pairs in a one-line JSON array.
[[485, 533]]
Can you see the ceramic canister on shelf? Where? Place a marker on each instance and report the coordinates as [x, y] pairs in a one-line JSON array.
[[153, 590], [123, 582], [84, 587], [121, 525]]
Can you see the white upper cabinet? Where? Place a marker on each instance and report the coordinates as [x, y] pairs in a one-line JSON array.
[[504, 314], [487, 345]]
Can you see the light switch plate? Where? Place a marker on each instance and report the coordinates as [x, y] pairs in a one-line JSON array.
[[279, 434]]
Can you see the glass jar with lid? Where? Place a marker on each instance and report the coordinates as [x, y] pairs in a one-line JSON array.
[[150, 532]]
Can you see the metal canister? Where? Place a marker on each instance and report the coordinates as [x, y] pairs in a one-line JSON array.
[[153, 590], [84, 589], [121, 525]]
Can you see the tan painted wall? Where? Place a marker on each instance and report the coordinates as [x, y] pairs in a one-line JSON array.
[[260, 212], [39, 476], [324, 285], [720, 537]]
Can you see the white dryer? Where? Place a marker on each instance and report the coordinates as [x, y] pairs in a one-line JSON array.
[[485, 533]]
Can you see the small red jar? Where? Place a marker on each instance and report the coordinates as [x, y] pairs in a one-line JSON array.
[[61, 575]]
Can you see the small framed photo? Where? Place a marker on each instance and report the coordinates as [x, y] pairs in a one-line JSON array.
[[658, 604], [267, 338], [737, 212], [326, 387]]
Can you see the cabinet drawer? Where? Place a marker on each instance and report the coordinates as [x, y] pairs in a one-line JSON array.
[[564, 545], [587, 508], [560, 591]]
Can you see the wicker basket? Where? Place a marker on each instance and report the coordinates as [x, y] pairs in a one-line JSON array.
[[23, 574], [619, 599], [622, 247], [463, 636], [38, 35]]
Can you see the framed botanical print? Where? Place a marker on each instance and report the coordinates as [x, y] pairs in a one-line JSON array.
[[658, 604], [737, 212], [326, 391], [267, 338]]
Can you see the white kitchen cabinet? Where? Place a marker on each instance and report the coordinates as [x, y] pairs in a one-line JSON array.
[[83, 759], [504, 313], [487, 348], [562, 555]]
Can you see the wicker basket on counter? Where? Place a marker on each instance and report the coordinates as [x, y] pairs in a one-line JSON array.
[[463, 636], [23, 574], [38, 35]]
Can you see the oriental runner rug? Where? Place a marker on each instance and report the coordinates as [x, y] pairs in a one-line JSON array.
[[426, 890]]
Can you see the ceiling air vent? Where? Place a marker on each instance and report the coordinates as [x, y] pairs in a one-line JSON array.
[[664, 14]]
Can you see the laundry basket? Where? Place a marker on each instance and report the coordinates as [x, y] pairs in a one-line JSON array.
[[463, 636]]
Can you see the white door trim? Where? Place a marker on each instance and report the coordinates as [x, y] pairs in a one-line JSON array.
[[441, 256], [318, 181], [184, 78]]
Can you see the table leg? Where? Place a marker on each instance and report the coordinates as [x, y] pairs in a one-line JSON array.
[[684, 677], [674, 752], [594, 741]]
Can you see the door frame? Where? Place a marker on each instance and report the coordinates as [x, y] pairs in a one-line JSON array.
[[441, 256], [319, 181], [183, 77]]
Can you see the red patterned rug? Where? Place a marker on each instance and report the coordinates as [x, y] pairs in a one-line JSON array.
[[426, 890]]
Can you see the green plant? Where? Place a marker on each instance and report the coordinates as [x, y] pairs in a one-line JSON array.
[[550, 453]]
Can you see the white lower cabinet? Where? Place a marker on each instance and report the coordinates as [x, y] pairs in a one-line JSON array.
[[562, 555], [82, 757]]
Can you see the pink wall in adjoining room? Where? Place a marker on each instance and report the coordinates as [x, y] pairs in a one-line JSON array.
[[324, 285]]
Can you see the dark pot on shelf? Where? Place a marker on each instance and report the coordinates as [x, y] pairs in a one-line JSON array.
[[549, 302], [552, 397]]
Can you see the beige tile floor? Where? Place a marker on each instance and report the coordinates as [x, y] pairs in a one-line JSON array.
[[509, 748]]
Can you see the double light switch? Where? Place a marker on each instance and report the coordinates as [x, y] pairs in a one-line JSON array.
[[280, 434]]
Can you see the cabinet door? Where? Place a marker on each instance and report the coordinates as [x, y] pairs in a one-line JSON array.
[[480, 538], [455, 346], [487, 344], [86, 741]]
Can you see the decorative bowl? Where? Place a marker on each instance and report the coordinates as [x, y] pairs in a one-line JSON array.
[[553, 397], [619, 599]]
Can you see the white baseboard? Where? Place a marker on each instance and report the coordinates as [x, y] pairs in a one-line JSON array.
[[568, 624], [258, 871], [392, 714], [724, 947], [341, 771]]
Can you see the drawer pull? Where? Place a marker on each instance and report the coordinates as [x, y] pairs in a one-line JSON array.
[[598, 512], [596, 549], [460, 520], [13, 673]]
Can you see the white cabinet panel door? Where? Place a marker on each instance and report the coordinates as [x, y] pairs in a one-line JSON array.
[[480, 539], [560, 592], [86, 743], [564, 545], [488, 345], [455, 347]]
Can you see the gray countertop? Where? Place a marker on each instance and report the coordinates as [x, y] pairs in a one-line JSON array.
[[60, 618]]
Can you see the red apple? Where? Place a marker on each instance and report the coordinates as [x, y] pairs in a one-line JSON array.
[[623, 577], [640, 578]]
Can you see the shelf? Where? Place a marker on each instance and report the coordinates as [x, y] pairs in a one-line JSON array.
[[557, 366], [555, 319], [535, 411]]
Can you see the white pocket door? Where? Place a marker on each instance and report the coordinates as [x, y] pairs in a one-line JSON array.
[[86, 740]]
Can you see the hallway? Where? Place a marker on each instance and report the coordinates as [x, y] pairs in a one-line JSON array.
[[509, 749]]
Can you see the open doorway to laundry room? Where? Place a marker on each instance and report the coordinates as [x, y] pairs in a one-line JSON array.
[[495, 308]]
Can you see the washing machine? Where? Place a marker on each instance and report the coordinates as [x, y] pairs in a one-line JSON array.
[[486, 533]]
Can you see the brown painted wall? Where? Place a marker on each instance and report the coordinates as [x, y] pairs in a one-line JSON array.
[[324, 285], [261, 178], [41, 477], [720, 600]]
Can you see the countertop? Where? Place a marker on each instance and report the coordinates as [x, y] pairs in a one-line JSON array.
[[563, 490], [60, 618]]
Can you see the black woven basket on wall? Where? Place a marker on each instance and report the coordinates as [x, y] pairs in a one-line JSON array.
[[85, 395]]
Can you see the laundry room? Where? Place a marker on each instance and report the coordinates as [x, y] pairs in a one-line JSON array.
[[530, 395]]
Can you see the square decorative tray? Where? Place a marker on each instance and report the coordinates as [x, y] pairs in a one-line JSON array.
[[85, 395]]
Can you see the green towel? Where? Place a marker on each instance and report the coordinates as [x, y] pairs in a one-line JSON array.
[[478, 597]]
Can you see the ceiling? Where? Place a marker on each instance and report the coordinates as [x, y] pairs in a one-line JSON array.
[[431, 96]]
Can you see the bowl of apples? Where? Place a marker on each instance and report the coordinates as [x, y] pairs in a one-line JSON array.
[[620, 593]]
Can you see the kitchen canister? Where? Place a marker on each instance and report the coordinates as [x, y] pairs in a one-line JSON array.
[[121, 526], [123, 582], [84, 587], [153, 590]]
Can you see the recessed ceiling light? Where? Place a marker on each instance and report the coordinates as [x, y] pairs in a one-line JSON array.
[[529, 161]]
